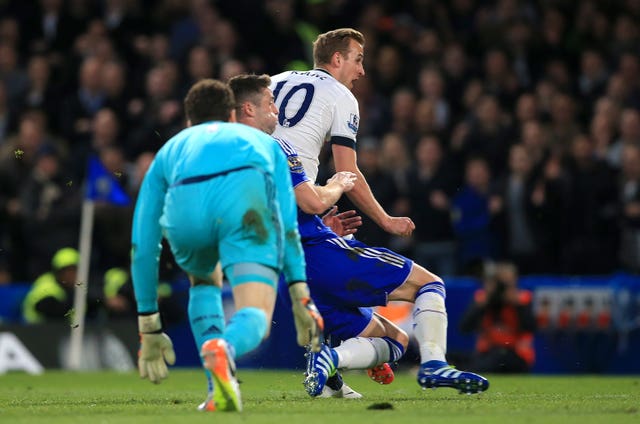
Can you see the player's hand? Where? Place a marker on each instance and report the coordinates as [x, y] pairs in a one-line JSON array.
[[343, 223], [345, 179], [156, 349], [400, 226], [307, 318]]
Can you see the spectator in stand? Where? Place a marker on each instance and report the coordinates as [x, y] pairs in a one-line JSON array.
[[115, 75], [12, 73], [629, 68], [502, 317], [199, 65], [8, 115], [527, 109], [288, 39], [374, 108], [32, 133], [520, 204], [489, 133], [80, 106], [159, 113], [592, 80], [473, 213], [388, 69], [105, 132], [395, 159], [194, 22], [124, 20], [534, 138], [383, 186], [602, 131], [629, 133], [230, 68], [111, 243], [563, 125], [431, 85], [625, 35], [589, 245], [429, 193], [51, 29], [50, 209], [105, 129], [500, 80], [457, 73], [403, 106], [629, 189], [42, 92]]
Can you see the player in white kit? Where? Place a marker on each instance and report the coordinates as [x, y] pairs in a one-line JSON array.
[[317, 106]]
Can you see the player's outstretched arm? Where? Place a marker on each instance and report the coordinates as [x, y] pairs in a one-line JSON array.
[[156, 349], [315, 200], [345, 159]]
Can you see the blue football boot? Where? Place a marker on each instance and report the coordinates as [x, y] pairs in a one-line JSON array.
[[434, 374], [320, 366]]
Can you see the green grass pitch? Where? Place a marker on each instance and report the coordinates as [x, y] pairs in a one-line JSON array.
[[278, 397]]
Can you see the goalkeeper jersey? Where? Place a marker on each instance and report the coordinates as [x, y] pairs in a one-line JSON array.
[[196, 154]]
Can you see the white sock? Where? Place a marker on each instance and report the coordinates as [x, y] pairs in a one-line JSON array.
[[360, 353], [430, 326]]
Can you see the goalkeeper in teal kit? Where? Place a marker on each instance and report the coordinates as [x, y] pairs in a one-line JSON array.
[[219, 191]]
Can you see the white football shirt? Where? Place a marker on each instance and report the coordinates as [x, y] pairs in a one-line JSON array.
[[312, 107]]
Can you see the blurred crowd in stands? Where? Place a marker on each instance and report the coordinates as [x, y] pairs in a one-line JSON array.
[[506, 129]]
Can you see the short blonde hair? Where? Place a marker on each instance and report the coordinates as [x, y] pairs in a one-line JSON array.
[[334, 41]]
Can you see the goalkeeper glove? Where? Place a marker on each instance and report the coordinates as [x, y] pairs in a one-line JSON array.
[[156, 349], [307, 318]]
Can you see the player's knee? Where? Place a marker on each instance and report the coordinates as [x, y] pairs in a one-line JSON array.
[[419, 273], [402, 337], [417, 280], [202, 281]]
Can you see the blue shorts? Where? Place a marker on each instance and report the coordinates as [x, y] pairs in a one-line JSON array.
[[347, 278], [232, 218]]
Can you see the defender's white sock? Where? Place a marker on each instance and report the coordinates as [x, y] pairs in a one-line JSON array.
[[361, 353], [430, 322]]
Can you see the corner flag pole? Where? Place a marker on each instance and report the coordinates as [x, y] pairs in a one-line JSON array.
[[82, 285]]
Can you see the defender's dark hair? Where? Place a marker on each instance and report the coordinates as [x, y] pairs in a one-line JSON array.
[[248, 87]]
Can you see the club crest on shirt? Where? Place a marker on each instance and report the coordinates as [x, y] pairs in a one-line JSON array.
[[353, 123], [294, 164]]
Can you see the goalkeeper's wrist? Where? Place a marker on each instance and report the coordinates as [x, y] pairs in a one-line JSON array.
[[149, 323], [299, 290]]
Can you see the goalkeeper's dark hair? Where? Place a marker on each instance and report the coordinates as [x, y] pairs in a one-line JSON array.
[[248, 88], [209, 100]]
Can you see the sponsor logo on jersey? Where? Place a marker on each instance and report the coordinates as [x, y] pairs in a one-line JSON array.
[[354, 120], [294, 164]]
